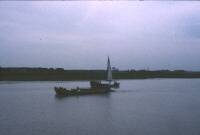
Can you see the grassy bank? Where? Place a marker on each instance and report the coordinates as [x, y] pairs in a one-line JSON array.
[[59, 74]]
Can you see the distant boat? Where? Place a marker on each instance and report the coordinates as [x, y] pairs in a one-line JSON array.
[[96, 87], [109, 82]]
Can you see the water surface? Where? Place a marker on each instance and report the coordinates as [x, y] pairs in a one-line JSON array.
[[139, 107]]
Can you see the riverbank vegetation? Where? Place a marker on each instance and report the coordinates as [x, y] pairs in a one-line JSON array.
[[60, 74]]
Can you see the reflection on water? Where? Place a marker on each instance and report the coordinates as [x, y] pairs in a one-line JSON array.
[[139, 107], [80, 96]]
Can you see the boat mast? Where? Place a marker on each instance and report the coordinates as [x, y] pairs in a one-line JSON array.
[[109, 71]]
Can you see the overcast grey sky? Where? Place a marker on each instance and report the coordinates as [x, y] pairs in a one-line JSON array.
[[80, 35]]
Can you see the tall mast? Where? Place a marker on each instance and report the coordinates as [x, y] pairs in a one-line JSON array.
[[109, 71]]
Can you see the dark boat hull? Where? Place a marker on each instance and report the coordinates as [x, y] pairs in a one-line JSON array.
[[83, 91]]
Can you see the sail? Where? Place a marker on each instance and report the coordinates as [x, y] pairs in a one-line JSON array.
[[109, 71]]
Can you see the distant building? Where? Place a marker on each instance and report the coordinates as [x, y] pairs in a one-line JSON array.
[[115, 69]]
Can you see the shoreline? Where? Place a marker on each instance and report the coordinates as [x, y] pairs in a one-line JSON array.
[[89, 80], [59, 74]]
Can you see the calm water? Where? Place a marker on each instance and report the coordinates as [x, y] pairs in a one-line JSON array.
[[139, 107]]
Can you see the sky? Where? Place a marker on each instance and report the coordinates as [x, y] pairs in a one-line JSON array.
[[81, 35]]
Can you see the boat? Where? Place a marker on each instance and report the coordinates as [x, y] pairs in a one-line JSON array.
[[96, 87], [109, 82]]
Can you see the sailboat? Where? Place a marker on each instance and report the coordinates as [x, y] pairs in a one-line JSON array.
[[109, 81], [95, 86]]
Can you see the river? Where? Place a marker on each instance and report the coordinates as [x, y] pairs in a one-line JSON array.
[[138, 107]]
